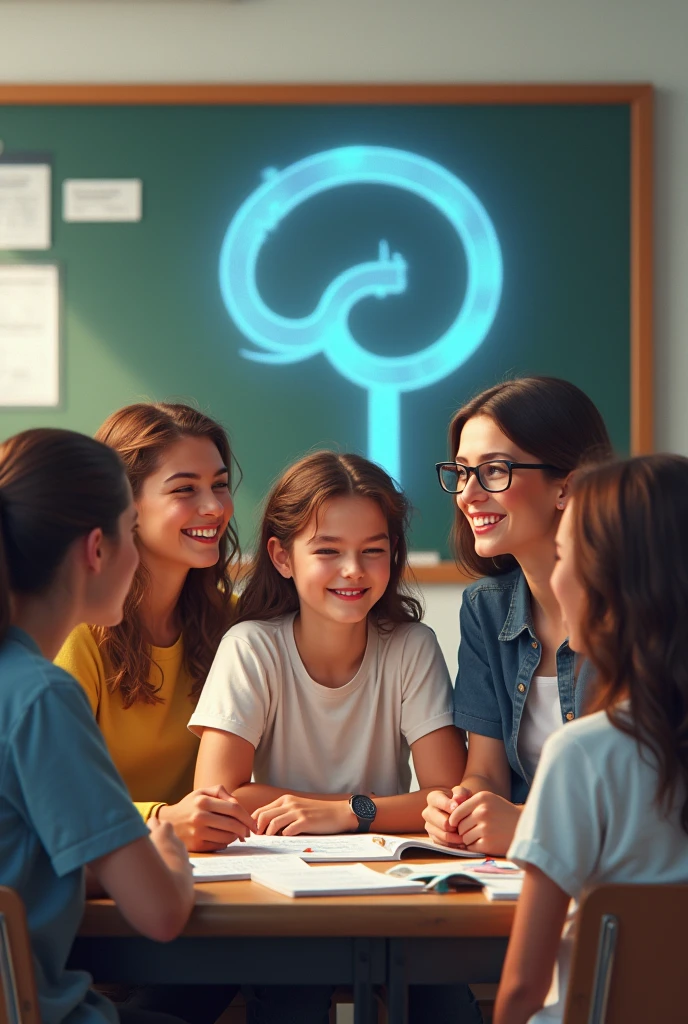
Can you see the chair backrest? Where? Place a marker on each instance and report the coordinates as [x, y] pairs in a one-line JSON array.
[[18, 999], [629, 956]]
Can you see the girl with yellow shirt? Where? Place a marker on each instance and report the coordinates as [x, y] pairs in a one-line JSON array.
[[143, 677]]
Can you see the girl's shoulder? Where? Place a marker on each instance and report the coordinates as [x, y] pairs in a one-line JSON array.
[[499, 604], [81, 656], [259, 632], [80, 641], [28, 677], [494, 588], [591, 735], [407, 635]]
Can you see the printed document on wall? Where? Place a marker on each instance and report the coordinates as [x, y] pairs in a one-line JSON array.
[[29, 335], [24, 206]]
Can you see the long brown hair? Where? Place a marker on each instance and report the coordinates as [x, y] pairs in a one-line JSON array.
[[631, 556], [55, 486], [141, 434], [300, 493], [552, 420]]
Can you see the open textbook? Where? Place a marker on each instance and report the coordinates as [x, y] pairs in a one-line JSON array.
[[300, 879], [339, 848], [498, 878]]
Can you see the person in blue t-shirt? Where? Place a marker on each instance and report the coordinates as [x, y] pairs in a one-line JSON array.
[[67, 555], [513, 449]]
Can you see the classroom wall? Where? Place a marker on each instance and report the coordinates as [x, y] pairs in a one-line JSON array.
[[401, 40]]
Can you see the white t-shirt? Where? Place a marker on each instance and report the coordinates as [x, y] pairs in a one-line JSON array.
[[540, 718], [312, 738], [591, 818]]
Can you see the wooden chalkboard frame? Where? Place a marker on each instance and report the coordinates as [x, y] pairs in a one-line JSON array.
[[638, 97]]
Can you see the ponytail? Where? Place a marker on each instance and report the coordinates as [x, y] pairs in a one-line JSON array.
[[55, 486]]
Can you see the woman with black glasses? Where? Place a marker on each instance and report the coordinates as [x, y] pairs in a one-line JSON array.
[[514, 447]]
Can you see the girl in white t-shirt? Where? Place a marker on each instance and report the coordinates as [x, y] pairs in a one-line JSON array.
[[609, 801], [328, 678], [324, 684]]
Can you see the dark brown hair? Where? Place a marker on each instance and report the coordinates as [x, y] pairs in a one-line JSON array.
[[141, 434], [55, 486], [631, 556], [301, 492], [552, 420]]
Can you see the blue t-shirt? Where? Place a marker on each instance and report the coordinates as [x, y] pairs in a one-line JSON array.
[[62, 805]]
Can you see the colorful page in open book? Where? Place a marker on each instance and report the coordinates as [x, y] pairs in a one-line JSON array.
[[498, 878], [341, 847]]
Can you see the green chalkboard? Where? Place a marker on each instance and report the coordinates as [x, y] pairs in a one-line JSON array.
[[144, 314]]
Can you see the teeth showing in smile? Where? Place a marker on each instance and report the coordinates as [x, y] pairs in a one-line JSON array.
[[207, 533], [486, 520], [349, 593]]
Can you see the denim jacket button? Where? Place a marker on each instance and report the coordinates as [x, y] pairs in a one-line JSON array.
[[534, 645], [569, 716], [521, 688]]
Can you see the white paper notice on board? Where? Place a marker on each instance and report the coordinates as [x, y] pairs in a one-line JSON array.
[[97, 200], [29, 335], [24, 206]]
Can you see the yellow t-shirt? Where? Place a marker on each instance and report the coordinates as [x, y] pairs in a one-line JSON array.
[[150, 744]]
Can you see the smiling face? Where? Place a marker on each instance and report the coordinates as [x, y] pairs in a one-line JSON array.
[[519, 521], [565, 583], [184, 506], [340, 562]]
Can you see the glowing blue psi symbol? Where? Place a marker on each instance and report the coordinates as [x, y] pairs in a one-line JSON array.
[[326, 330]]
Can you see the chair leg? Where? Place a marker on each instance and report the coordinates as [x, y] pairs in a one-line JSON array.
[[606, 950], [8, 981]]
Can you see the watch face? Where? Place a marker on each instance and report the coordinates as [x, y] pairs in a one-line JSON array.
[[363, 807]]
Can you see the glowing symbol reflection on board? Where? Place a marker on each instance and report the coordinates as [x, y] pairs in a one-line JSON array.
[[326, 330]]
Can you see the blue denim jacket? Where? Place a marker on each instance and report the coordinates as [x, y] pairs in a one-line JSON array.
[[498, 655]]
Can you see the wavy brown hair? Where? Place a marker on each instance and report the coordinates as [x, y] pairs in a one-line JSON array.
[[55, 486], [300, 493], [631, 556], [552, 420], [141, 434]]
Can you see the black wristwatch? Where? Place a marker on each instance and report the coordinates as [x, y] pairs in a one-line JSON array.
[[365, 810]]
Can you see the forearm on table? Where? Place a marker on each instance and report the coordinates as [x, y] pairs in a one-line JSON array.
[[394, 813], [178, 869], [253, 795], [477, 783], [403, 813]]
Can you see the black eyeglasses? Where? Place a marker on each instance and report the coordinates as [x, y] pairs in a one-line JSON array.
[[492, 476]]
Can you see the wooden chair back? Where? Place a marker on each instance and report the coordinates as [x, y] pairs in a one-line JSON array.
[[629, 956], [18, 999]]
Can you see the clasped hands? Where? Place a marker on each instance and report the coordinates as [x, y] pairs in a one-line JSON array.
[[210, 819], [291, 815], [482, 822]]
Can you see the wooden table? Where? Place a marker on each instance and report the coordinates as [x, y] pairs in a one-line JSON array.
[[243, 933]]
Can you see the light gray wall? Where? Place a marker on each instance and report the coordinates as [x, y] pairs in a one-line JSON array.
[[401, 40]]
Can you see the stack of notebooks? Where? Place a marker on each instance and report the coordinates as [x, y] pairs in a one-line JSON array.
[[282, 863]]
